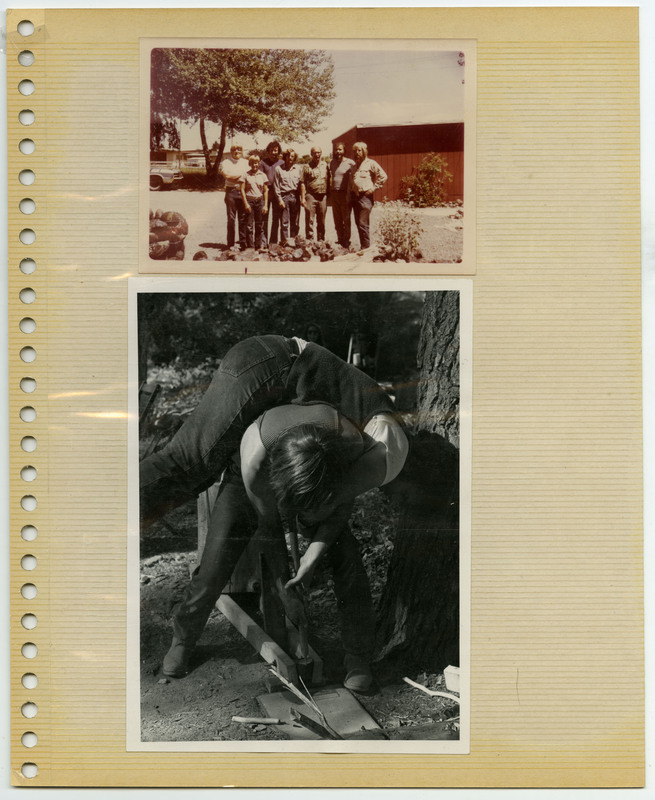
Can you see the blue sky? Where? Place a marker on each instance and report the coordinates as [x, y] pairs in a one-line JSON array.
[[377, 87]]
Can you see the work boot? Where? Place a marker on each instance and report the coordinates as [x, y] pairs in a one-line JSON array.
[[176, 661], [358, 674]]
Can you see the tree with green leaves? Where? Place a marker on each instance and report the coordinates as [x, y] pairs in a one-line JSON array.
[[284, 93]]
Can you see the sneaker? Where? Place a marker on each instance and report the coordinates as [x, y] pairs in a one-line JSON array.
[[358, 674], [176, 661]]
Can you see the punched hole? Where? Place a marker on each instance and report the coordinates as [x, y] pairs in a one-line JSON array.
[[26, 146], [29, 739], [27, 265], [28, 354], [29, 650], [28, 563], [26, 58], [28, 385], [28, 502], [27, 325], [27, 236], [27, 206], [28, 444], [28, 591], [29, 710], [29, 680], [25, 27], [26, 177], [26, 116], [28, 473], [29, 770], [27, 295], [27, 413], [29, 621], [28, 533], [26, 87]]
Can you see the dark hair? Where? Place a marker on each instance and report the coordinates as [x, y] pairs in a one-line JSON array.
[[273, 144], [306, 467]]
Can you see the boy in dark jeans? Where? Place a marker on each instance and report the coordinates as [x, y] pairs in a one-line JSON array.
[[254, 193]]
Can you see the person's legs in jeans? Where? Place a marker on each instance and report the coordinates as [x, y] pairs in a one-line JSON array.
[[251, 378], [285, 218], [320, 209], [250, 225], [257, 214], [341, 213], [294, 214], [232, 199], [232, 524], [273, 215], [355, 609], [362, 209], [310, 215]]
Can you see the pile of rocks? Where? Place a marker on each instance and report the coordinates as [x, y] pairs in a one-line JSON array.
[[168, 230], [298, 249]]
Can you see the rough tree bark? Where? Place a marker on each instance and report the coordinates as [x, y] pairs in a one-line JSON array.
[[419, 615]]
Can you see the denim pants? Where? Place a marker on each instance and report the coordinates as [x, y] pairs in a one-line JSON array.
[[251, 378], [255, 223], [362, 210], [235, 211], [316, 208], [290, 216], [341, 212], [232, 524], [273, 216]]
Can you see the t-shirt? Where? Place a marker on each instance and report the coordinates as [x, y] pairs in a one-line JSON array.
[[232, 169], [340, 171], [269, 169], [254, 184]]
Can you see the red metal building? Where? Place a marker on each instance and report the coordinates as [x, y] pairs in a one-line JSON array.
[[398, 149]]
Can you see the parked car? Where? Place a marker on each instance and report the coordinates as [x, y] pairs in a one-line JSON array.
[[163, 175]]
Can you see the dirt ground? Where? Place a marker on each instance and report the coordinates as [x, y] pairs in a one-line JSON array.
[[441, 241], [226, 675]]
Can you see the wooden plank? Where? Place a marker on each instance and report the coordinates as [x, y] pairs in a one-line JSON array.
[[269, 650]]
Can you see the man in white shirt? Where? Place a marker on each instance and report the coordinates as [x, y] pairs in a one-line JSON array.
[[365, 177], [232, 169]]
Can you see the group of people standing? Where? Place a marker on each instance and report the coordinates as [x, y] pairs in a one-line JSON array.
[[264, 196]]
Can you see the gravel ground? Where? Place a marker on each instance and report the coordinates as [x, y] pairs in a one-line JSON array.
[[442, 240]]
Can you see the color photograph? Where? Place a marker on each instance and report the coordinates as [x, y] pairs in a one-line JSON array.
[[350, 153]]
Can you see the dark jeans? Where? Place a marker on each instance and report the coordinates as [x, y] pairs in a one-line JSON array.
[[362, 210], [273, 216], [341, 212], [315, 210], [231, 526], [235, 210], [255, 224], [251, 378], [290, 216]]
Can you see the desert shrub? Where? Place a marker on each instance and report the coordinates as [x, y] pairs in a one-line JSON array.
[[426, 187], [400, 231]]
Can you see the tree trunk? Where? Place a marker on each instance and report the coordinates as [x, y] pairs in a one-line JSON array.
[[419, 614]]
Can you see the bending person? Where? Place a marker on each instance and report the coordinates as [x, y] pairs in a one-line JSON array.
[[247, 505], [256, 374], [307, 464]]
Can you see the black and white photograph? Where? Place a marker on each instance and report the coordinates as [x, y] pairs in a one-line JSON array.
[[299, 563], [327, 156]]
